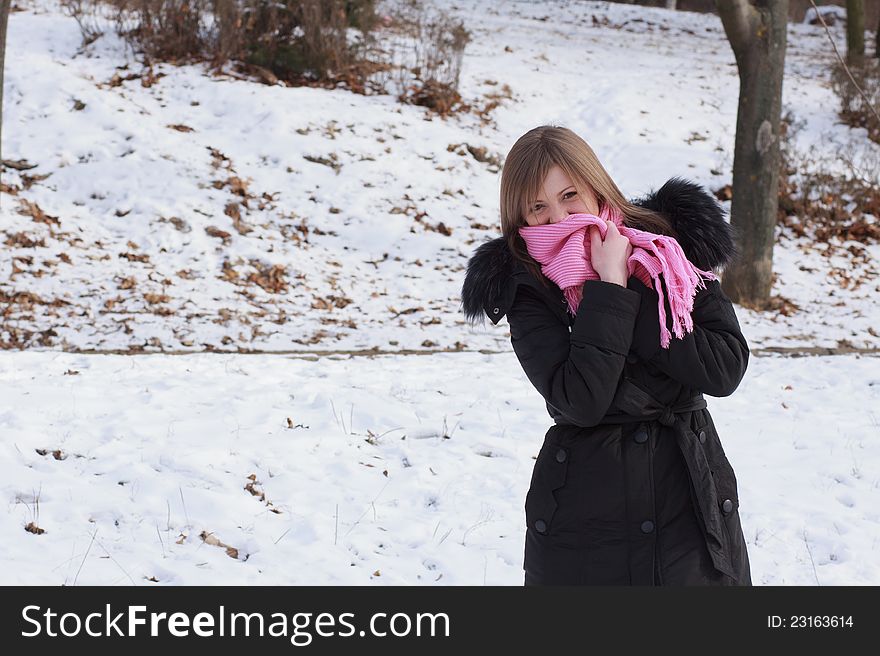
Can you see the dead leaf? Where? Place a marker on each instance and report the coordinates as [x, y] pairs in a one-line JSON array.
[[266, 76], [134, 257], [27, 208], [270, 277], [218, 158], [22, 240], [231, 210], [217, 232], [237, 186], [210, 538], [19, 164]]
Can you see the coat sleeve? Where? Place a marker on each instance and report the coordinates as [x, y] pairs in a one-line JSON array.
[[712, 359], [576, 370]]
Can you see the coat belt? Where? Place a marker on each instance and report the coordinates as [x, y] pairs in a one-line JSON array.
[[638, 405]]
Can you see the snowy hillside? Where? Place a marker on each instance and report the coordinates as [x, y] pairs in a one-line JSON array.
[[172, 210], [184, 211]]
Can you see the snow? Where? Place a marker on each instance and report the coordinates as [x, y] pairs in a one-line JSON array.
[[835, 13], [386, 470], [393, 469]]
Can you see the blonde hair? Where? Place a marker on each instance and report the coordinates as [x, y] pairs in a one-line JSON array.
[[525, 168]]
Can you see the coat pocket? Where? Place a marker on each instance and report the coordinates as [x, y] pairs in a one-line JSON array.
[[721, 470], [708, 502], [549, 474], [727, 497]]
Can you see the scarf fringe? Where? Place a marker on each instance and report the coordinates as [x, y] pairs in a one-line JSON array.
[[573, 295]]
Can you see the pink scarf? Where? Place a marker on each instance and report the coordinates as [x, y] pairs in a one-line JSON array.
[[563, 250]]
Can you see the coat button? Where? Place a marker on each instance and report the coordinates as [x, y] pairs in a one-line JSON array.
[[702, 437], [496, 311], [727, 506], [647, 526], [541, 526], [560, 455], [632, 359], [641, 437]]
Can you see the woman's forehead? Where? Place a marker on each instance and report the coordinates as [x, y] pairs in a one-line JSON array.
[[556, 177]]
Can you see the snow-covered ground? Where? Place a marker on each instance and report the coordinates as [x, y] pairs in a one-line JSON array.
[[388, 470], [199, 212]]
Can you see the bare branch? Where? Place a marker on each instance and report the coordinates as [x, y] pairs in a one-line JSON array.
[[843, 63]]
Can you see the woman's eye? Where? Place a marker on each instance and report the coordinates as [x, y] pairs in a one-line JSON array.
[[570, 195]]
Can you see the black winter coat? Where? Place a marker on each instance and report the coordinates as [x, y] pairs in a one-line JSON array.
[[631, 485]]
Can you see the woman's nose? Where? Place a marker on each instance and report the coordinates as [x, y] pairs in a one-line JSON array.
[[559, 215]]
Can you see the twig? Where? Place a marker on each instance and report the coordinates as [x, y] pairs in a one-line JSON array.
[[281, 536], [333, 408], [389, 430], [843, 63], [810, 551], [160, 541], [480, 522], [110, 556], [186, 514], [368, 508], [445, 535], [85, 556]]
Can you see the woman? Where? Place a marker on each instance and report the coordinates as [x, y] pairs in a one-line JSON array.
[[631, 485]]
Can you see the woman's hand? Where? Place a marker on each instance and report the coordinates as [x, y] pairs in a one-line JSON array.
[[609, 256]]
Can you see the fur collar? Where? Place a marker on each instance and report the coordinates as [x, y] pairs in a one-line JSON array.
[[706, 238]]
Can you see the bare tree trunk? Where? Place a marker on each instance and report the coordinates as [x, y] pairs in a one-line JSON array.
[[4, 19], [855, 29], [877, 41], [670, 4], [757, 33]]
